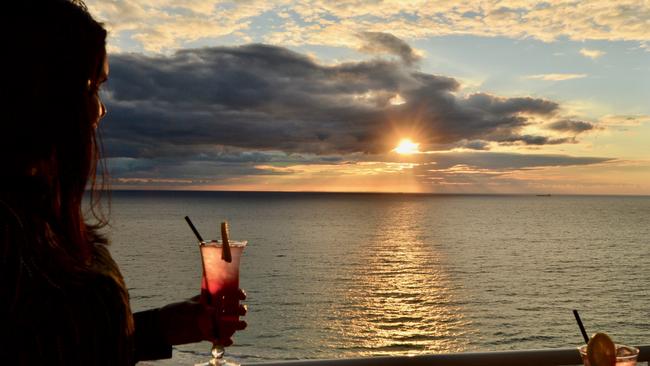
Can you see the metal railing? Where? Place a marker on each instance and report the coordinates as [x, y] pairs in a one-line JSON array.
[[542, 357]]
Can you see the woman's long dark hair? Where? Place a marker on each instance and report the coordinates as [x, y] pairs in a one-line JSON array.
[[62, 298], [49, 152]]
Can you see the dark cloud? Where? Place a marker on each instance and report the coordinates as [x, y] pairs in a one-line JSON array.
[[536, 140], [475, 145], [500, 161], [229, 166], [500, 106], [260, 97], [378, 42], [214, 163], [486, 168], [568, 125]]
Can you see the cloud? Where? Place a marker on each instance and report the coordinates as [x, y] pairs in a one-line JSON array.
[[225, 115], [536, 140], [592, 54], [440, 168], [378, 42], [484, 171], [624, 120], [556, 77], [261, 97], [502, 161], [645, 46], [474, 145], [573, 126], [166, 25]]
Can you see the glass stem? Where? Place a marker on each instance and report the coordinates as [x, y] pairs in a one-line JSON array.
[[217, 354]]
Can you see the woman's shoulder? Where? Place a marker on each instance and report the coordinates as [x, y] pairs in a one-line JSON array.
[[107, 271], [87, 317], [102, 261], [105, 267]]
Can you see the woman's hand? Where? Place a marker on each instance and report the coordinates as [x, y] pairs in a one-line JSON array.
[[193, 321]]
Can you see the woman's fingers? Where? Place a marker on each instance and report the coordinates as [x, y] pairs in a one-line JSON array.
[[235, 310], [238, 294], [241, 294], [219, 319], [230, 306], [241, 325], [243, 309], [191, 321], [228, 328]]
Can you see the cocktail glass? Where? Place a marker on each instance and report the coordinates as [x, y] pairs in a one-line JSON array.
[[625, 355], [220, 278]]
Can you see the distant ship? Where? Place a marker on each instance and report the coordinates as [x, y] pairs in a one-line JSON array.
[[543, 195]]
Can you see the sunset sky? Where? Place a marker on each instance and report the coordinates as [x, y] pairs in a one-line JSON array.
[[495, 96]]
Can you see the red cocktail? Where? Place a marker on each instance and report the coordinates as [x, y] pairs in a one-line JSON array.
[[220, 278]]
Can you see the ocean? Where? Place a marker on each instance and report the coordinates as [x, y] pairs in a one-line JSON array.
[[333, 275]]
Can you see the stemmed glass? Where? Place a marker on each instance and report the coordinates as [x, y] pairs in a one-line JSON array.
[[220, 259], [220, 277]]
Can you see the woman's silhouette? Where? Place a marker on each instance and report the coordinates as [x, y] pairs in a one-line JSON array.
[[62, 298]]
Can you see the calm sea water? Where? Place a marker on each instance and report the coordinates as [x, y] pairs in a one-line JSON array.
[[340, 275]]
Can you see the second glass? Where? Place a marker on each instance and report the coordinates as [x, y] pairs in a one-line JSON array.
[[625, 355]]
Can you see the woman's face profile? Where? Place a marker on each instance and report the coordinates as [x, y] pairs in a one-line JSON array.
[[97, 108]]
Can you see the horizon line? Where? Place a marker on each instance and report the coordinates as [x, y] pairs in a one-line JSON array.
[[536, 194]]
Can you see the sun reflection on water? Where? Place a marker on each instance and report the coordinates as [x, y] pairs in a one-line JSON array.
[[400, 300]]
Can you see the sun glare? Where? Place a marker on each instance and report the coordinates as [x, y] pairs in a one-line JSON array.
[[407, 147]]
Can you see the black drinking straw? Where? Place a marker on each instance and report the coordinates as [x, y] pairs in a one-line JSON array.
[[582, 327], [196, 232]]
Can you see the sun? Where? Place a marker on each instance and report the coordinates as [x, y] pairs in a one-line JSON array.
[[407, 147]]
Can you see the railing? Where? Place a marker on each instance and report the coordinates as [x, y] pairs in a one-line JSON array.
[[543, 357]]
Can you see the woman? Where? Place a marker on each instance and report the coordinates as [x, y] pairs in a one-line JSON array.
[[62, 298]]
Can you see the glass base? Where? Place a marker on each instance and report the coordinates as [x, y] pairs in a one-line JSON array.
[[218, 362], [217, 358]]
